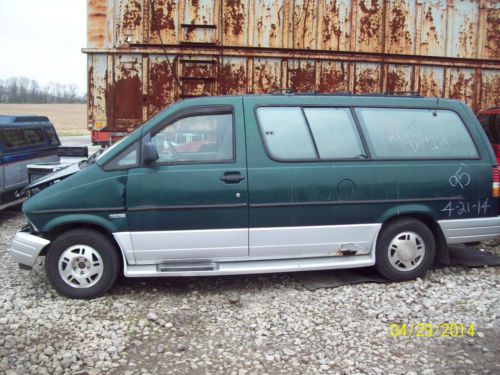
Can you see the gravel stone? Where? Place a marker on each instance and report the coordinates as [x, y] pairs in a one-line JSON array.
[[243, 325], [152, 316]]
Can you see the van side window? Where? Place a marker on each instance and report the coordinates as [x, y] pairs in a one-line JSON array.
[[285, 133], [200, 138], [126, 159], [416, 134], [335, 132]]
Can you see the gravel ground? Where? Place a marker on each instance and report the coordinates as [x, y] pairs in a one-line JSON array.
[[245, 324]]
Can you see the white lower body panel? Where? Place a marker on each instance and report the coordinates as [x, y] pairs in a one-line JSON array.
[[312, 241], [243, 251], [259, 266], [470, 230], [154, 247]]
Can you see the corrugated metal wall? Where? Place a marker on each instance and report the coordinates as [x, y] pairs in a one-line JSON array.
[[145, 54]]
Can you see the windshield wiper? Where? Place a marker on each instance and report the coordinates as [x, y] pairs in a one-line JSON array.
[[91, 159]]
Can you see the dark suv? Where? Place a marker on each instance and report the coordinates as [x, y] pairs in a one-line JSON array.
[[23, 140]]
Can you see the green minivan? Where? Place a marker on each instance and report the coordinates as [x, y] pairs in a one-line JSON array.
[[269, 183]]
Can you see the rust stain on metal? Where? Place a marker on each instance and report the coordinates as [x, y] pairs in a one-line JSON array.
[[401, 37], [301, 75], [465, 28], [399, 78], [492, 34], [370, 26], [303, 24], [162, 85], [334, 77], [490, 89], [99, 109], [431, 81], [462, 85], [336, 24], [132, 14], [197, 14], [234, 17], [268, 23], [130, 20], [267, 75], [91, 102], [200, 69], [451, 43], [128, 91], [96, 25], [163, 21], [433, 28], [232, 77], [367, 78], [196, 88]]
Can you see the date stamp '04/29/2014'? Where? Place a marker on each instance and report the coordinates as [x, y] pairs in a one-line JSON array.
[[430, 330]]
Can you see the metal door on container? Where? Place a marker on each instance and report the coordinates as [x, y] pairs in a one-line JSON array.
[[192, 203]]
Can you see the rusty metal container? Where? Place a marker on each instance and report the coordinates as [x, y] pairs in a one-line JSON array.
[[145, 54]]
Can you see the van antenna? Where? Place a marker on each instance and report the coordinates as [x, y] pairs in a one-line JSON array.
[[435, 108]]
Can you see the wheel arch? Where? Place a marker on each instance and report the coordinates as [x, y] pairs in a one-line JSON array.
[[63, 224], [423, 214]]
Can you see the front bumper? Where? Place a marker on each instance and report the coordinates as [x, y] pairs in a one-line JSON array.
[[26, 248]]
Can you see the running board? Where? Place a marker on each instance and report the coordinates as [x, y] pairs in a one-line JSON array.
[[248, 267], [186, 267]]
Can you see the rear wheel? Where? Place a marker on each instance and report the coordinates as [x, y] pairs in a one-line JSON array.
[[82, 263], [406, 249]]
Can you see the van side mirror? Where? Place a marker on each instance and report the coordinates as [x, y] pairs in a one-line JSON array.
[[150, 153]]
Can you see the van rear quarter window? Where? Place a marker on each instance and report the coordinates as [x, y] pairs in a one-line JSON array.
[[334, 132], [416, 134], [285, 132]]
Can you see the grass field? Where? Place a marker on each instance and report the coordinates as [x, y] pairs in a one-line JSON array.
[[69, 119]]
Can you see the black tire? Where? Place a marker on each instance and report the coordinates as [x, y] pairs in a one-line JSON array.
[[94, 245], [392, 260]]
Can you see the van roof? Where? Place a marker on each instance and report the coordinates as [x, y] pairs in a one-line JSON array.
[[9, 120]]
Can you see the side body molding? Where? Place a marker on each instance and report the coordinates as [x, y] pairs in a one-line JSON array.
[[470, 230]]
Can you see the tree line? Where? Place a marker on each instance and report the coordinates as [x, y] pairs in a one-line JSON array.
[[25, 90]]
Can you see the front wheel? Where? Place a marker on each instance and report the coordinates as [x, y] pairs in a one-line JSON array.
[[82, 263], [405, 250]]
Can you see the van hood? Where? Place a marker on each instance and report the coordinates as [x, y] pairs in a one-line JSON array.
[[60, 174]]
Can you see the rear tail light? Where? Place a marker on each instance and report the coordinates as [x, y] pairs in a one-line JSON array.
[[496, 182]]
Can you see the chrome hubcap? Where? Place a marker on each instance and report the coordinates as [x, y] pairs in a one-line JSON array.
[[406, 251], [80, 266]]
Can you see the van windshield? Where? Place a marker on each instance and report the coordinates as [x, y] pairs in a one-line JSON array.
[[99, 154], [103, 152]]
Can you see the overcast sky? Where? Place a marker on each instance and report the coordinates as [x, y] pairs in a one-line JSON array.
[[42, 40]]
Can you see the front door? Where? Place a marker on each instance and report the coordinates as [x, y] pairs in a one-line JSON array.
[[192, 203]]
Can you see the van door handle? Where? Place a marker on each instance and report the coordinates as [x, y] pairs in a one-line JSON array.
[[232, 177]]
